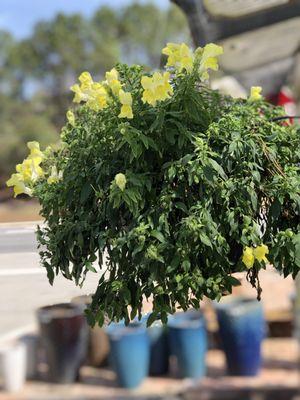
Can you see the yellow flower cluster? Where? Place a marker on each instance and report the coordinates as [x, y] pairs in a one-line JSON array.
[[180, 57], [96, 94], [27, 172], [255, 93], [93, 93], [258, 253], [156, 88]]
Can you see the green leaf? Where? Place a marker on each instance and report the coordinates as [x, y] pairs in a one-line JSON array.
[[152, 318], [158, 235], [233, 281], [205, 239], [85, 192], [275, 209], [90, 267], [217, 168], [50, 272], [296, 242], [181, 206]]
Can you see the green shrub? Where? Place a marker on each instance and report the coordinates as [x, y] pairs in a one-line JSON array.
[[195, 186]]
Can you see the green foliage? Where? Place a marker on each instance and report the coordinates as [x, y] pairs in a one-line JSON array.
[[206, 176]]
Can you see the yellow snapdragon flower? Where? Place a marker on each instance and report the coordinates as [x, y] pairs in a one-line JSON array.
[[16, 181], [260, 253], [98, 98], [208, 59], [35, 152], [93, 93], [80, 94], [255, 93], [248, 257], [55, 176], [112, 80], [85, 78], [120, 180], [156, 88], [180, 56], [126, 108], [28, 171], [70, 117]]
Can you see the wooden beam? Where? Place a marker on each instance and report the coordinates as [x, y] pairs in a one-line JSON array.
[[239, 8]]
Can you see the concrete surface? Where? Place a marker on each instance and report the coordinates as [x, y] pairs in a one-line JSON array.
[[278, 380], [24, 284]]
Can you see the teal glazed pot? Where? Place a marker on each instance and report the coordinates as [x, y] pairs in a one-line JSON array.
[[188, 343], [129, 353], [242, 329]]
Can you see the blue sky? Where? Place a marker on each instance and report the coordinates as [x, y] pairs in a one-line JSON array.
[[19, 16]]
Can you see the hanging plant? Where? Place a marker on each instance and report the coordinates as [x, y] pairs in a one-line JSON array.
[[180, 185]]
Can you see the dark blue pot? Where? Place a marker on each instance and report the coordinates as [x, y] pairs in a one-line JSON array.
[[188, 343], [159, 348], [242, 329], [129, 353]]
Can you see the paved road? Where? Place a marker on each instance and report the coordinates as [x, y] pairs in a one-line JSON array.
[[17, 238], [24, 285]]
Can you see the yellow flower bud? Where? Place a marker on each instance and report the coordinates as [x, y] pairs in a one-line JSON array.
[[19, 186], [71, 117], [120, 180], [255, 93], [126, 101]]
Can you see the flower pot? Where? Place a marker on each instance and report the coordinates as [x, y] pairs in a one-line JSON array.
[[98, 343], [188, 343], [159, 348], [242, 329], [31, 343], [130, 353], [13, 366], [64, 336]]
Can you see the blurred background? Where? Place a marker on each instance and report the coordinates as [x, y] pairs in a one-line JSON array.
[[44, 46]]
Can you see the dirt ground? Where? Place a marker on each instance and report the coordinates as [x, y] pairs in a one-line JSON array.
[[18, 210]]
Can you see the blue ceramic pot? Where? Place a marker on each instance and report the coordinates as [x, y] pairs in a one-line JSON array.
[[159, 348], [129, 353], [242, 328], [188, 342]]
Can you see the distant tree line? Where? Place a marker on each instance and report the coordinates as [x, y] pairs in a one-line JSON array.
[[36, 73]]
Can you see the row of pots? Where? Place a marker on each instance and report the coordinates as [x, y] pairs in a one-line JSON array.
[[136, 351]]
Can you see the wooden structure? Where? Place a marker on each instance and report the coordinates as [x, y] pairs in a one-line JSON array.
[[260, 37]]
